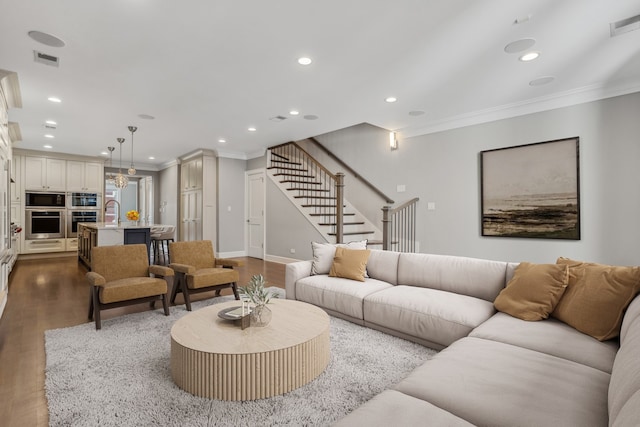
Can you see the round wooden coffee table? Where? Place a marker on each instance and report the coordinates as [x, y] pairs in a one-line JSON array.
[[214, 358]]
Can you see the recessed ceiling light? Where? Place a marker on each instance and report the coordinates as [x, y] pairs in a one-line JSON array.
[[222, 140], [47, 146], [294, 112], [51, 122], [54, 99], [45, 38], [416, 113], [390, 99], [529, 56], [519, 45], [251, 129], [49, 136], [151, 158], [541, 81], [104, 153], [304, 61]]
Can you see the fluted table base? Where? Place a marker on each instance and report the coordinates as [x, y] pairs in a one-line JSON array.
[[214, 358]]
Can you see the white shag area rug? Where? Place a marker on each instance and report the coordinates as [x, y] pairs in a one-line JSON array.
[[120, 376]]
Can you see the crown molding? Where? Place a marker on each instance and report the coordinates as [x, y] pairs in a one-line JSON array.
[[11, 88], [239, 155], [14, 132], [545, 103]]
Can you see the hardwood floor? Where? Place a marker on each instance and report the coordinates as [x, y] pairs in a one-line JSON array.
[[53, 293]]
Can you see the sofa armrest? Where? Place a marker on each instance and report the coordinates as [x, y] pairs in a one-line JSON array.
[[229, 263], [294, 272], [95, 279], [161, 270], [182, 268]]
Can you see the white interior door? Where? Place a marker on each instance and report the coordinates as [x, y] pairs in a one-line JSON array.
[[255, 213]]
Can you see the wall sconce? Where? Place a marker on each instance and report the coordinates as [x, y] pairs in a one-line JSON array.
[[393, 142]]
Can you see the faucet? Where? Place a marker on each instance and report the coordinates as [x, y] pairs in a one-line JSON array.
[[117, 203]]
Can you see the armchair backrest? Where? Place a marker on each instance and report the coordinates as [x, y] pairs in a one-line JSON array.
[[198, 253], [120, 262]]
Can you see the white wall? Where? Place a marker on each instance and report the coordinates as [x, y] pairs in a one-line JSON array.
[[444, 168], [167, 184], [231, 200]]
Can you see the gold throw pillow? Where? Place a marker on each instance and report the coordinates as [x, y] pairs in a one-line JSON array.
[[597, 296], [534, 291], [350, 263]]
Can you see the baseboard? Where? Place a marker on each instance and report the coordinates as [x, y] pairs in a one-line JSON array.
[[280, 259], [47, 255], [236, 254]]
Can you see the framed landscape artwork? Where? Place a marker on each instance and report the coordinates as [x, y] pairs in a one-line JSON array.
[[532, 190]]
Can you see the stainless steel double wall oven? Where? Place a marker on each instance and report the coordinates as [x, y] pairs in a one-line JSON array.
[[52, 215], [82, 207]]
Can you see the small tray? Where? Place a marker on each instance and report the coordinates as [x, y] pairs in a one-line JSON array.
[[223, 313]]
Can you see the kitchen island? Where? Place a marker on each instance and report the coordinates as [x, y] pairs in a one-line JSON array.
[[92, 234]]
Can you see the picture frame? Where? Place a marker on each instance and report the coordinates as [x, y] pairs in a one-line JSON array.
[[532, 190]]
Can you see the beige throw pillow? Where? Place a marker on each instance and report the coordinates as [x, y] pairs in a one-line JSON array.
[[323, 254], [534, 291], [597, 296], [349, 263]]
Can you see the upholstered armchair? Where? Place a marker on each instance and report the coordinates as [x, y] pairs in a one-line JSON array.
[[121, 275], [197, 270]]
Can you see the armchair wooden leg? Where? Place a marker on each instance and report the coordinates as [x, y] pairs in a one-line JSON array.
[[91, 303], [234, 288], [96, 306], [178, 281], [165, 304], [185, 294]]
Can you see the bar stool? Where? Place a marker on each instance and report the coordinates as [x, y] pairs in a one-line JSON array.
[[161, 235]]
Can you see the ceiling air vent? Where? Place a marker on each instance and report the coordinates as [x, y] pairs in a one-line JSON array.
[[278, 118], [625, 25], [43, 58]]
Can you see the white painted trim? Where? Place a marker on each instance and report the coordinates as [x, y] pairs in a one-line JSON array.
[[544, 103], [280, 259], [239, 155], [235, 254]]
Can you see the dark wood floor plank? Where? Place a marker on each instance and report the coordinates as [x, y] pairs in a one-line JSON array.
[[49, 294]]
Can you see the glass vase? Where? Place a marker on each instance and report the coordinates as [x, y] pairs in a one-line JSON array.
[[260, 315]]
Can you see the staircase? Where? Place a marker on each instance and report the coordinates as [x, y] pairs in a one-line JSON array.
[[316, 192]]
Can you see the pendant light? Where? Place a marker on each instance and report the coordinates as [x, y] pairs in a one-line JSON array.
[[120, 180], [110, 174], [132, 169]]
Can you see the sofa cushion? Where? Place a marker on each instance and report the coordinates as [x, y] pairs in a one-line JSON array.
[[350, 263], [334, 293], [466, 276], [383, 265], [596, 297], [490, 383], [625, 376], [392, 408], [429, 314], [323, 254], [534, 291], [629, 414], [552, 337]]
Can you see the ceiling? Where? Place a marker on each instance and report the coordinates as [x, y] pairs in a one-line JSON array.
[[208, 70]]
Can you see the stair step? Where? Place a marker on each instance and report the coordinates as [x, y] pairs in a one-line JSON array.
[[315, 197], [318, 206], [294, 174], [318, 190], [287, 168], [333, 224], [286, 162], [297, 181], [331, 214], [353, 233], [279, 156]]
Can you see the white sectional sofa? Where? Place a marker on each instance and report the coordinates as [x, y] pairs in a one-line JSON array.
[[494, 369]]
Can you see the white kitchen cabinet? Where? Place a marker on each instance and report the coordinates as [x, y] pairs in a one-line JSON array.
[[84, 176], [191, 215], [191, 177], [44, 174]]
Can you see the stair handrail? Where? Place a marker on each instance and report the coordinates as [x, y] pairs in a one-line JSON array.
[[351, 171], [317, 163], [403, 235]]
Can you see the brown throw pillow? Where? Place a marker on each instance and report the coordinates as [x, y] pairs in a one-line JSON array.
[[349, 263], [597, 296], [534, 291]]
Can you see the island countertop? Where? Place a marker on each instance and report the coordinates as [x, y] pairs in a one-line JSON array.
[[113, 226]]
